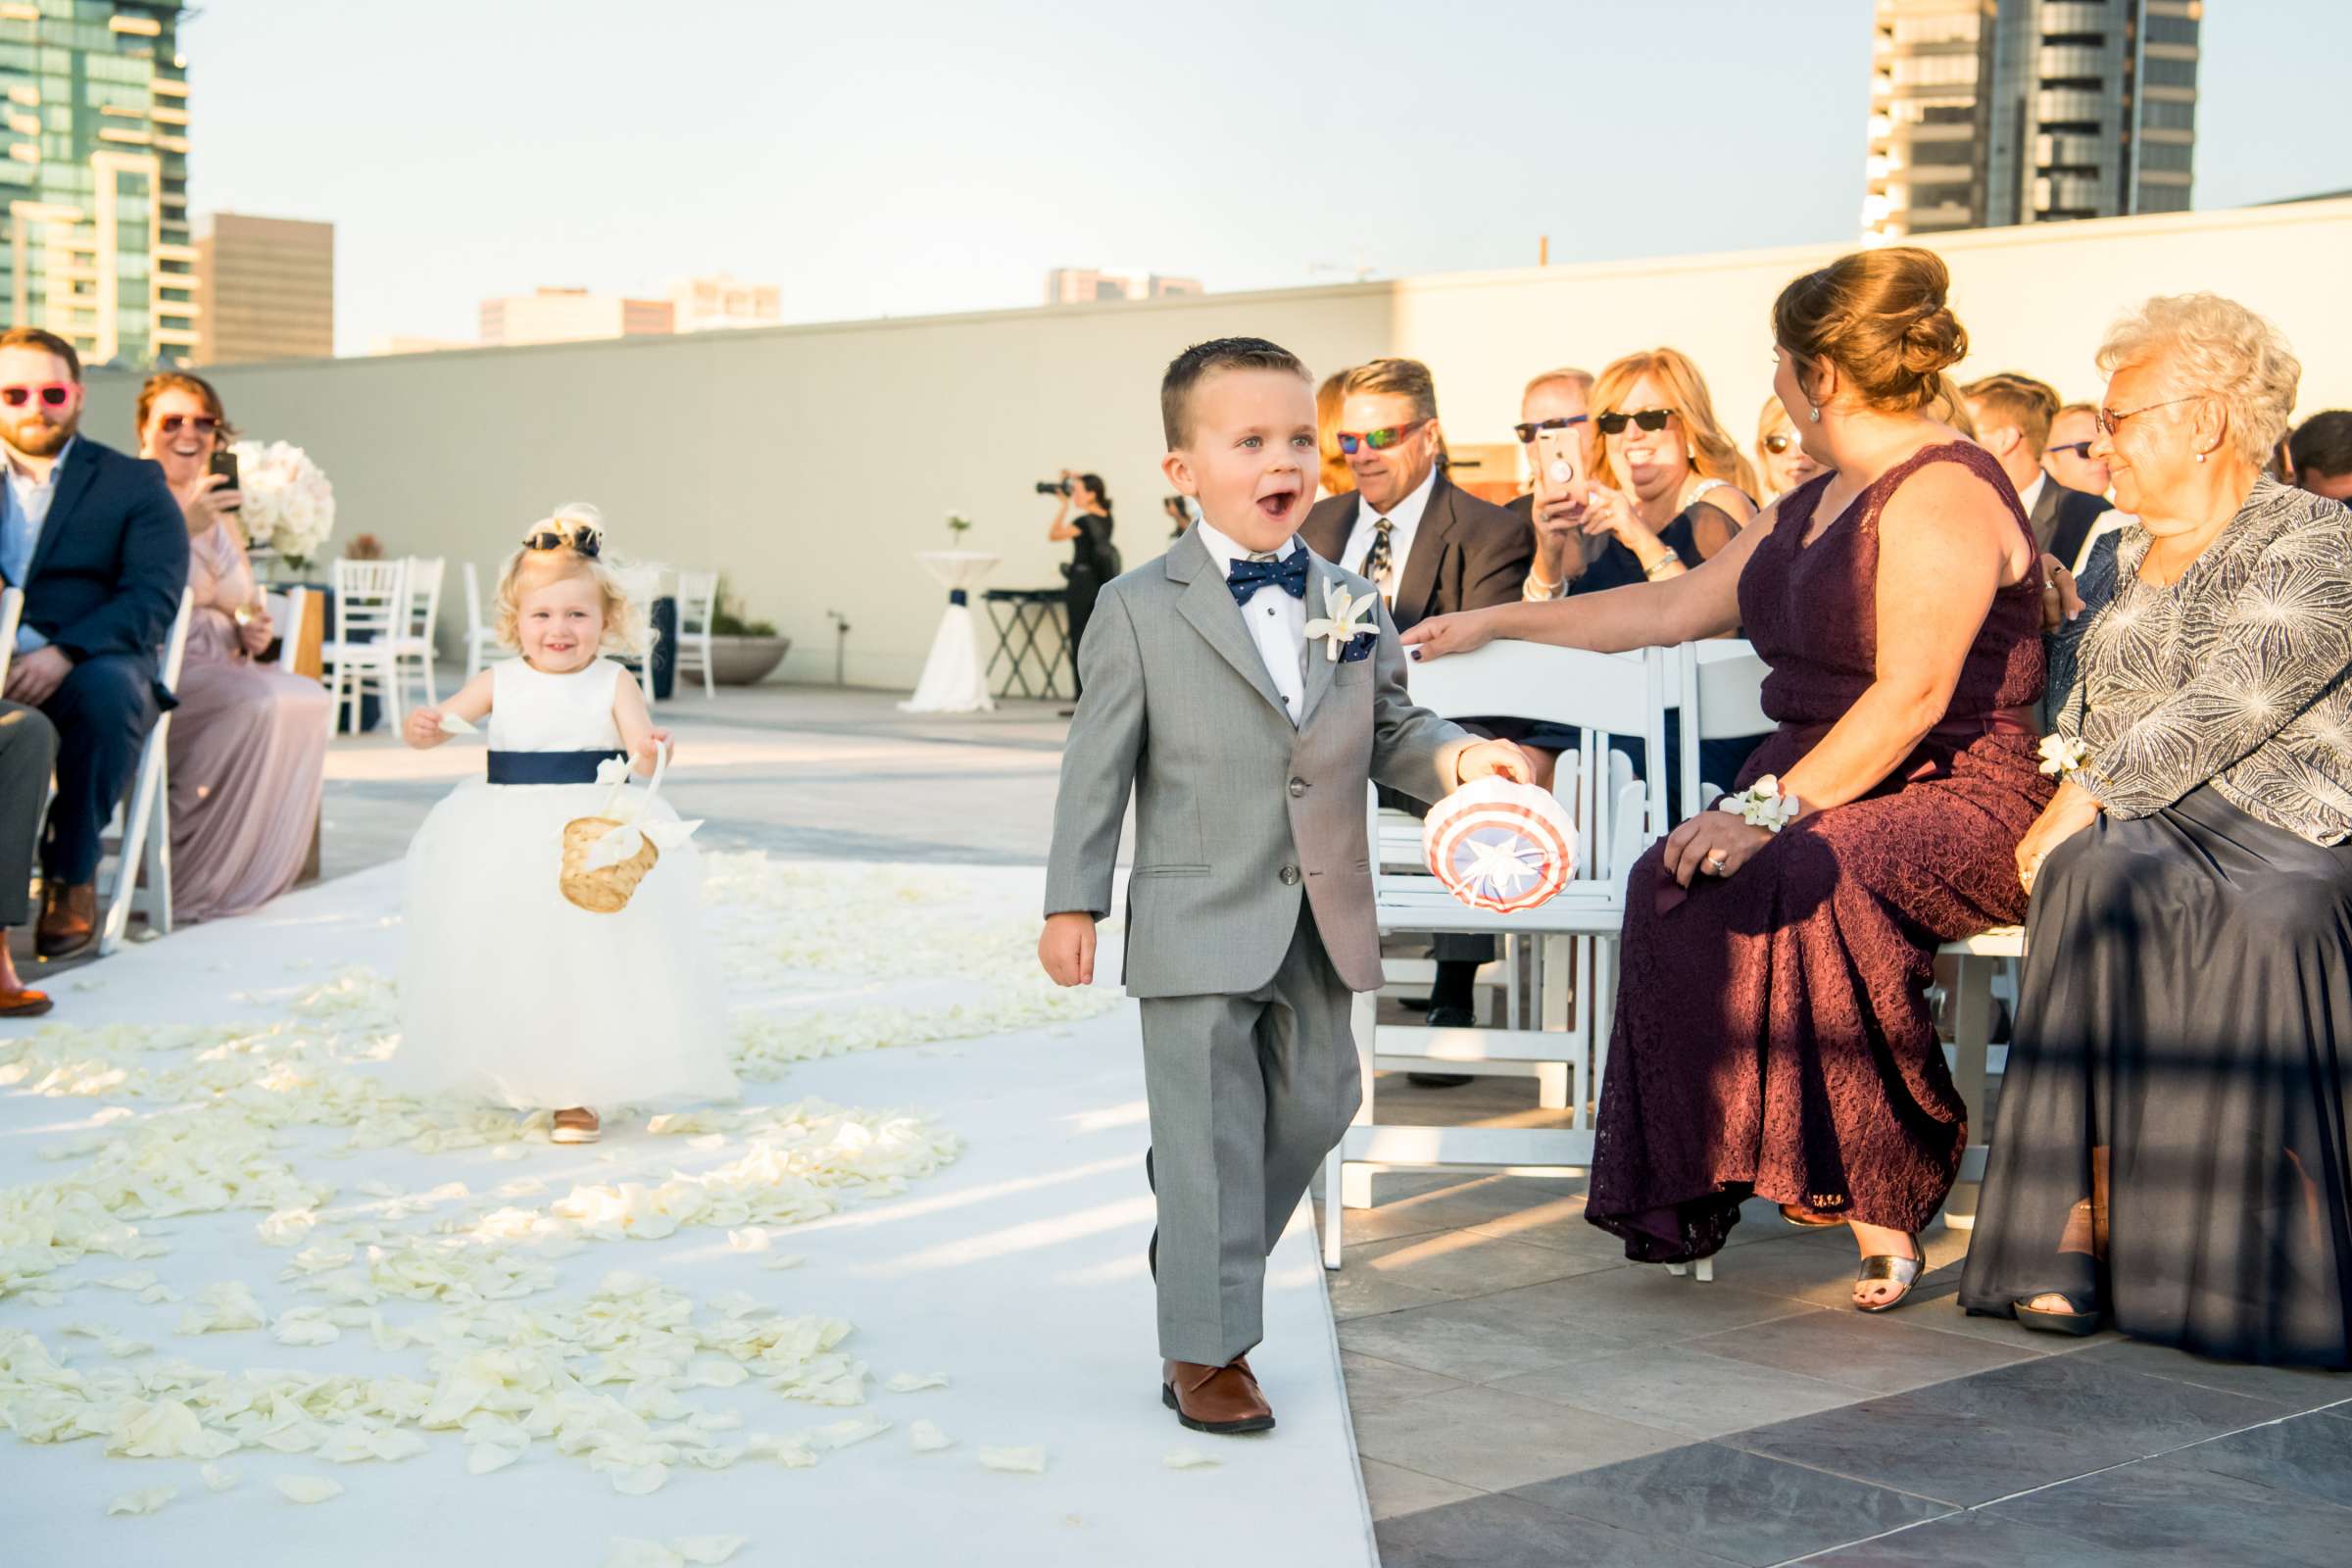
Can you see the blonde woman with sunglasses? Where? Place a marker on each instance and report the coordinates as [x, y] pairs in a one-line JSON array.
[[510, 995], [1672, 488]]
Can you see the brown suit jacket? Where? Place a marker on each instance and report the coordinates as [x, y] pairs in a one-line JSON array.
[[1467, 554]]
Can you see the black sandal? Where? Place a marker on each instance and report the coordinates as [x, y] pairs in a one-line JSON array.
[[2073, 1320], [1902, 1271]]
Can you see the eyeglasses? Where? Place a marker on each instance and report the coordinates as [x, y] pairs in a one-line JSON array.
[[1379, 440], [201, 423], [54, 395], [1779, 442], [1614, 422], [2081, 449], [2110, 421], [1526, 432], [580, 538]]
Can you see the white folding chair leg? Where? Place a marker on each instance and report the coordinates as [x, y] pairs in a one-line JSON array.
[[139, 823], [1345, 1186], [1551, 1085], [1972, 1044]]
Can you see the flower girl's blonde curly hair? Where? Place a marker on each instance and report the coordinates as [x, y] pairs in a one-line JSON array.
[[581, 553]]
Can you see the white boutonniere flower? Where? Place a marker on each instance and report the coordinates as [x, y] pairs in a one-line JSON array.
[[2061, 754], [1339, 626], [1762, 805]]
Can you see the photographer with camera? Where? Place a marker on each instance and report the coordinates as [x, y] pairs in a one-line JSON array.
[[1082, 519]]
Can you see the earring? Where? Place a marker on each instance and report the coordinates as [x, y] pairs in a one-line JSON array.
[[2200, 457], [1689, 454], [1815, 410]]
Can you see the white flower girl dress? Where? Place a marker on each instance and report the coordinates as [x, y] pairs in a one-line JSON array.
[[511, 993]]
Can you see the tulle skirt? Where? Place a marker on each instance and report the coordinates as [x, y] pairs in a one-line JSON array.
[[510, 993]]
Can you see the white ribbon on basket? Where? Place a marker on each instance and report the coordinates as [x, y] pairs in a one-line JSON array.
[[624, 841]]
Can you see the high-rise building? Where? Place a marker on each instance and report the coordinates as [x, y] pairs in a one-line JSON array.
[[1989, 113], [573, 316], [717, 302], [95, 182], [1083, 285], [265, 290]]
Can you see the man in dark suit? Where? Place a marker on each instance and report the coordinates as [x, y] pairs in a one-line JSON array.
[[1433, 549], [97, 544], [2013, 415]]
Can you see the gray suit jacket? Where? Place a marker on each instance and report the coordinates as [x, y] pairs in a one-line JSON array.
[[1238, 813]]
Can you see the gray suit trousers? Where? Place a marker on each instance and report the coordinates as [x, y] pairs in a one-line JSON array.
[[1247, 1094]]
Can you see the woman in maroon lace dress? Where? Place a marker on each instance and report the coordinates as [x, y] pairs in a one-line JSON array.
[[1772, 1032]]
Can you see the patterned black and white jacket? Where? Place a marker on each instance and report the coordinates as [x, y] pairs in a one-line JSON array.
[[2239, 674]]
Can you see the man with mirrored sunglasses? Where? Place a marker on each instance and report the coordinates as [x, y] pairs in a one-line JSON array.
[[95, 541]]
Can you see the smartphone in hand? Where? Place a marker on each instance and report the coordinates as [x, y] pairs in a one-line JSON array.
[[225, 463]]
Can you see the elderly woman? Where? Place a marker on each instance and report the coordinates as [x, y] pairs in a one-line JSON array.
[[248, 749], [2172, 1152]]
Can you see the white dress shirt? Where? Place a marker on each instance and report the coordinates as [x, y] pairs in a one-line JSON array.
[[24, 514], [2031, 495], [1405, 520], [1277, 623]]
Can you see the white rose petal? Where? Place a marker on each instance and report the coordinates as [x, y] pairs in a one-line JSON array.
[[750, 1238], [640, 1480], [707, 1549], [307, 1489], [485, 1457], [927, 1437], [912, 1382], [857, 1428], [1190, 1459], [218, 1477], [1014, 1461], [628, 1553], [146, 1502]]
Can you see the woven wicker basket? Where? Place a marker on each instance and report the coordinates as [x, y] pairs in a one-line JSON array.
[[604, 891]]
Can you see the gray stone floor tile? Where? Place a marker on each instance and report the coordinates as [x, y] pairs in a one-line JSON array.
[[1649, 1305], [1741, 1506], [2169, 1507], [1931, 1453], [1452, 1265], [2071, 1395], [2301, 1388], [1882, 1353], [1976, 1541], [1697, 1395], [1513, 1532], [1493, 1440], [1395, 1491], [2307, 1455], [1374, 1382], [1503, 1336]]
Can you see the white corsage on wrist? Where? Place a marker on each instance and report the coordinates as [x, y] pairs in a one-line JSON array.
[[2062, 755], [1762, 805]]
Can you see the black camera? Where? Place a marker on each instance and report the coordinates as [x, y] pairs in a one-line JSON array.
[[1053, 487]]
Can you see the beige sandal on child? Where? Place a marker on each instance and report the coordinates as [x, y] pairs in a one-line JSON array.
[[578, 1125]]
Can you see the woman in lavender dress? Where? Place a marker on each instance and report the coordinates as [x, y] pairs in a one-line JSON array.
[[248, 747]]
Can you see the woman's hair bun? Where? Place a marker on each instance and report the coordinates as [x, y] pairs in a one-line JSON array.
[[1933, 341], [1880, 317]]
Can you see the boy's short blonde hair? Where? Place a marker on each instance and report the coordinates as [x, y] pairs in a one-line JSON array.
[[627, 629]]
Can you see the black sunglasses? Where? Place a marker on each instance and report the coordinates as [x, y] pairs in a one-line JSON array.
[[2081, 449], [1526, 432], [1614, 422]]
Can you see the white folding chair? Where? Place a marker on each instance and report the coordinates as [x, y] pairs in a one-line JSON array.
[[289, 612], [11, 613], [1599, 695], [372, 613], [481, 640], [144, 844], [412, 649], [697, 606]]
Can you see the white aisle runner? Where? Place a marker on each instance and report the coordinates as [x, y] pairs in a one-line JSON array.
[[1016, 1270]]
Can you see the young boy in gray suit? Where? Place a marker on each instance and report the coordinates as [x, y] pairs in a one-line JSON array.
[[1245, 689]]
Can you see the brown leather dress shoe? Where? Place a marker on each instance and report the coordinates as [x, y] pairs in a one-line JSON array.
[[21, 1004], [1220, 1399], [69, 919]]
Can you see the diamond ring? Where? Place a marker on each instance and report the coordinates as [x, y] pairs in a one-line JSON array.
[[1715, 862]]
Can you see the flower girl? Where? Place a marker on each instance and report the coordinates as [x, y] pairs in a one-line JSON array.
[[508, 992]]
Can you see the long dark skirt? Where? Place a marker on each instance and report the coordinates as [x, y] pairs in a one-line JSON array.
[[2171, 1140]]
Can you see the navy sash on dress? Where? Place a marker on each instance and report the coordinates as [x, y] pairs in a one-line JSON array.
[[547, 767]]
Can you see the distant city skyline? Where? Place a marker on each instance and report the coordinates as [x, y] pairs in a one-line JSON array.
[[873, 167]]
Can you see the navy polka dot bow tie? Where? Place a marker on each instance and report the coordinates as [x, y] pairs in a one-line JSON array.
[[1248, 576]]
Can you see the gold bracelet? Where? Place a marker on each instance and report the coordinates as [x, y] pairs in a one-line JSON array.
[[1670, 566]]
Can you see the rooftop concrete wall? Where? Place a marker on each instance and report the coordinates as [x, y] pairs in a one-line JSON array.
[[809, 464]]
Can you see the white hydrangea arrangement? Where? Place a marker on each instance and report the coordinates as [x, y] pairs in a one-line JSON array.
[[289, 505]]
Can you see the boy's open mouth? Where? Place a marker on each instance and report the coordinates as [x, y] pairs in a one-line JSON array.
[[1276, 504]]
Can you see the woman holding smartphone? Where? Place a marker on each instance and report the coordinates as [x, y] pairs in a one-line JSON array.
[[248, 747]]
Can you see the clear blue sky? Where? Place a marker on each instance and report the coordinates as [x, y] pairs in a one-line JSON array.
[[916, 156]]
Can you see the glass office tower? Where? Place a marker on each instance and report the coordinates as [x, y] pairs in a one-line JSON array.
[[97, 247], [1989, 113]]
